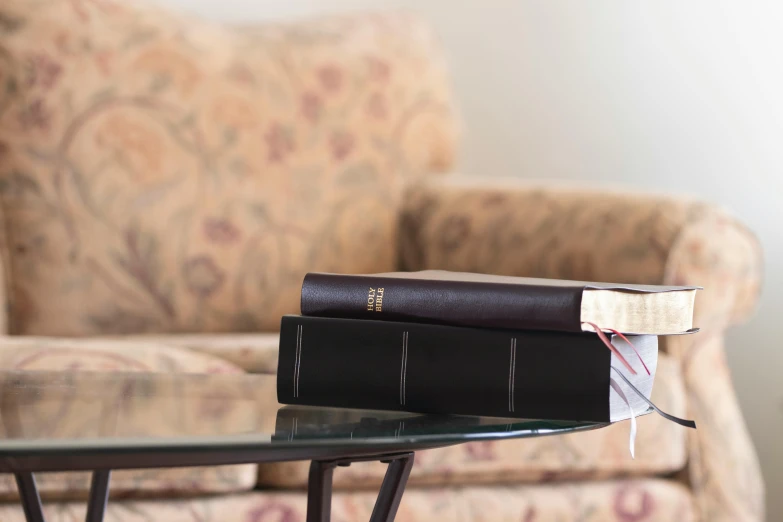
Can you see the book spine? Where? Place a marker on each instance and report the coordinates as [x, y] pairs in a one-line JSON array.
[[460, 303], [424, 368]]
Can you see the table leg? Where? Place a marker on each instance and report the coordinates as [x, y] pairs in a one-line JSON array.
[[319, 490], [392, 489], [29, 497], [31, 500], [99, 495]]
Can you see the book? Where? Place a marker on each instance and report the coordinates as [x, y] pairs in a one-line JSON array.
[[425, 368], [464, 299]]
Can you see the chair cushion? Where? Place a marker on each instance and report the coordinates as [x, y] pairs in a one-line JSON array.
[[143, 416], [110, 355], [650, 500], [254, 353], [597, 454], [161, 173]]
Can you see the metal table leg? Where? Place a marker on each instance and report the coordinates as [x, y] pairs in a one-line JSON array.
[[319, 491], [392, 488], [31, 500], [99, 495], [28, 496]]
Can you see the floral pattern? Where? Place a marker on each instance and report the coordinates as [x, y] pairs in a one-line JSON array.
[[575, 234], [649, 500], [256, 353], [54, 417], [163, 174], [166, 174]]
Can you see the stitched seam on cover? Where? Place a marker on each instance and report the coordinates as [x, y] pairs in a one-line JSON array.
[[510, 362], [513, 374], [405, 368], [298, 359], [402, 367]]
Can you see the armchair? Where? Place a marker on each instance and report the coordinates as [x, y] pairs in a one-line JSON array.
[[165, 183]]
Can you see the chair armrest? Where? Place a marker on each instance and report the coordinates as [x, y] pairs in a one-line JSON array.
[[514, 229], [5, 278]]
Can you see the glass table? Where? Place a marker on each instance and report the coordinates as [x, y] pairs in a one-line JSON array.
[[75, 421]]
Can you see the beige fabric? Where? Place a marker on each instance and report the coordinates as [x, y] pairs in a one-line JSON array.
[[5, 275], [592, 455], [564, 233], [555, 232], [162, 173], [55, 354], [142, 416], [724, 471], [626, 501], [255, 353]]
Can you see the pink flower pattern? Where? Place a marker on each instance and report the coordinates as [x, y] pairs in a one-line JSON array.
[[35, 116], [380, 70], [44, 71], [376, 106], [341, 143], [311, 106], [331, 78], [202, 276], [632, 503], [279, 143], [221, 231]]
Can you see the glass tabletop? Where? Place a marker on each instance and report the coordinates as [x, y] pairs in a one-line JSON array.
[[75, 411]]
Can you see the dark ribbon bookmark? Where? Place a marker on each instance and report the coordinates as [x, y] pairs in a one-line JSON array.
[[681, 422]]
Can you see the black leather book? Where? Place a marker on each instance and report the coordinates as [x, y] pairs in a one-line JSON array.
[[492, 301], [386, 365]]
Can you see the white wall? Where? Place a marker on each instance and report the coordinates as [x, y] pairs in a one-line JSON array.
[[671, 96]]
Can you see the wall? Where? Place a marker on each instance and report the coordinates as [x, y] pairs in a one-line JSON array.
[[681, 97]]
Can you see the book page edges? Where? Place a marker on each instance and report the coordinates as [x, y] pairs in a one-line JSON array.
[[664, 313]]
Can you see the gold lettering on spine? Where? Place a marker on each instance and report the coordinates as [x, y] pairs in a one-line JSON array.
[[375, 300]]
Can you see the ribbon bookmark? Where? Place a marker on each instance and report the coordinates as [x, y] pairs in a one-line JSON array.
[[613, 348], [632, 437], [624, 338], [681, 422]]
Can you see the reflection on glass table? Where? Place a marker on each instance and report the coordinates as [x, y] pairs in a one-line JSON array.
[[55, 421]]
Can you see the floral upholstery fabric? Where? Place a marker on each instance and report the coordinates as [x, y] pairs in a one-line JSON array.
[[724, 472], [591, 455], [52, 354], [140, 415], [647, 500], [515, 229], [160, 173], [255, 353]]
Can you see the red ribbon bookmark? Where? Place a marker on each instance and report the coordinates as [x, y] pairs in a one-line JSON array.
[[624, 338], [613, 348]]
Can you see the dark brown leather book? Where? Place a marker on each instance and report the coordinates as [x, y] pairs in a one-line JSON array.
[[416, 367], [464, 299]]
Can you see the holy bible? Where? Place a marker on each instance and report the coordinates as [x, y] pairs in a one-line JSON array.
[[428, 368], [492, 301]]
